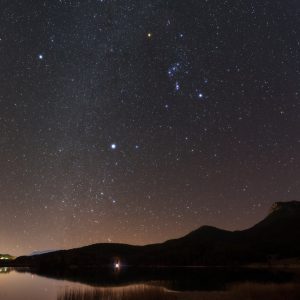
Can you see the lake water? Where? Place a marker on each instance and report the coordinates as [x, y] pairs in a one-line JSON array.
[[21, 284]]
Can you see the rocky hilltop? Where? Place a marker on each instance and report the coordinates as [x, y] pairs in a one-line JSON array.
[[292, 207]]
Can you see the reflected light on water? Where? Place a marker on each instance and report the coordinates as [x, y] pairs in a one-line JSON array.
[[4, 270], [25, 286], [131, 292], [22, 285]]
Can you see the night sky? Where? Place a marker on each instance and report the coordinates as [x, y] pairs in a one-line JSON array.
[[139, 121]]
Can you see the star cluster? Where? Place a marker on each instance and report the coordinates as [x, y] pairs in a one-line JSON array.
[[138, 121]]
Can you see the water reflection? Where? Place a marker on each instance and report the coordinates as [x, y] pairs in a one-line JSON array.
[[25, 286], [132, 292], [4, 270], [84, 284], [179, 279]]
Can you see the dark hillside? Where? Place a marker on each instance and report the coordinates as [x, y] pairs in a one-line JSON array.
[[277, 236]]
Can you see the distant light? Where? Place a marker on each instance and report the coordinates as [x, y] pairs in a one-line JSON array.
[[149, 35], [113, 146], [41, 56], [117, 265]]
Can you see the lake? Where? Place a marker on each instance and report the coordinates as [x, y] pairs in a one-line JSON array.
[[25, 284]]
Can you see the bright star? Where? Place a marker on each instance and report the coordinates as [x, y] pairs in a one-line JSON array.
[[113, 146], [199, 94], [41, 56]]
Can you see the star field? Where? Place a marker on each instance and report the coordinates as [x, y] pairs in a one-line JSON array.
[[139, 121]]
